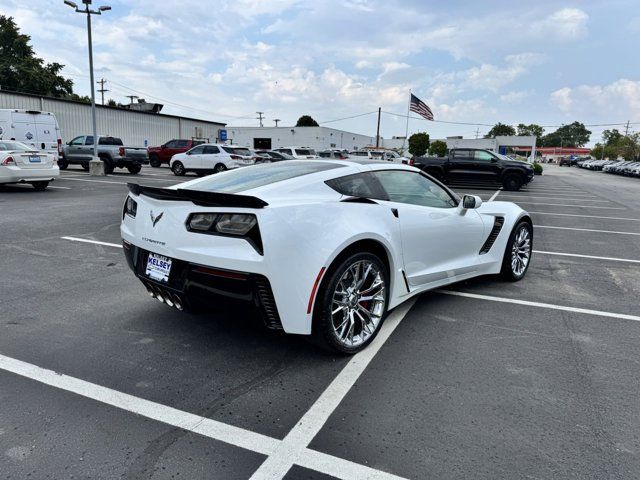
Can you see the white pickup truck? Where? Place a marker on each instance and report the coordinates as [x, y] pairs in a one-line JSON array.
[[111, 151]]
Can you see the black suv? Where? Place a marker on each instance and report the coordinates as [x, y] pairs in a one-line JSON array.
[[471, 165]]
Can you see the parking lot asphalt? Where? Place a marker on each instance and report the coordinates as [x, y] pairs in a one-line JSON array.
[[535, 379]]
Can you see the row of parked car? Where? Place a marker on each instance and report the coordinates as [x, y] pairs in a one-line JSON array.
[[619, 167], [204, 158]]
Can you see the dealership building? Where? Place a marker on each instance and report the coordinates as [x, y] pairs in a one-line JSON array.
[[134, 127]]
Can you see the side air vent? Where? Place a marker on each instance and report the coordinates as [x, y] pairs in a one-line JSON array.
[[268, 303], [497, 226]]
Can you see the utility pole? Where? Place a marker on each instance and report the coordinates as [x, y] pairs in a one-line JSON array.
[[102, 81], [95, 168], [378, 129], [477, 132], [626, 129], [276, 120], [260, 117], [131, 97]]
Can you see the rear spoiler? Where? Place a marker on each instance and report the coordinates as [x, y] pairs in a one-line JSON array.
[[198, 197]]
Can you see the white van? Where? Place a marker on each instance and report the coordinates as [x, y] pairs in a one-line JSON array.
[[37, 129]]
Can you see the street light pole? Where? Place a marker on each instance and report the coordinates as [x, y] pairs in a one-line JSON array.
[[88, 11]]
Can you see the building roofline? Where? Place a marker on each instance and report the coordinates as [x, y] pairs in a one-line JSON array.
[[289, 128], [32, 95]]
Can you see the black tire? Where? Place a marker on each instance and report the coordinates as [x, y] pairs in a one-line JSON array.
[[324, 330], [40, 186], [512, 182], [85, 166], [154, 161], [508, 271], [62, 163], [108, 165], [178, 169], [219, 168], [134, 168]]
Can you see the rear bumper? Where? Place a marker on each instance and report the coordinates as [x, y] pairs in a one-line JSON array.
[[13, 174], [194, 285]]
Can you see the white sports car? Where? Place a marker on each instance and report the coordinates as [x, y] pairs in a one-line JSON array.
[[319, 247]]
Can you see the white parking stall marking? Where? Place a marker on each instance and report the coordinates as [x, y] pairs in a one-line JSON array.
[[56, 187], [187, 421], [594, 257], [570, 199], [281, 454], [95, 242], [599, 313], [571, 205], [92, 181], [292, 449], [587, 230], [586, 216], [493, 197]]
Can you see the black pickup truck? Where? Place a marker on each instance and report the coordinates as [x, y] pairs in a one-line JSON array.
[[470, 165]]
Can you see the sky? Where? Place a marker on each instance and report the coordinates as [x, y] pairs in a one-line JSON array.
[[545, 62]]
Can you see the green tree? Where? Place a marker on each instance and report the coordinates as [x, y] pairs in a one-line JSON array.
[[500, 130], [530, 130], [572, 135], [611, 137], [306, 121], [419, 144], [438, 148], [112, 103], [22, 71]]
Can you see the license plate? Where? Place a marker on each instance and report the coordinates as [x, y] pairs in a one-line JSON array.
[[158, 267], [34, 159]]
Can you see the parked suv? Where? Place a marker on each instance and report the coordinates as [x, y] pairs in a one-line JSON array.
[[298, 152], [163, 153], [111, 151], [210, 158], [477, 166]]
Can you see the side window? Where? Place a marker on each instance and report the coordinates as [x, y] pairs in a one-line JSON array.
[[89, 140], [183, 143], [196, 150], [210, 150], [459, 153], [77, 141], [171, 144], [357, 185], [482, 156], [411, 187]]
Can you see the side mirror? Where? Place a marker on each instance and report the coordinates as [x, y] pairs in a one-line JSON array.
[[470, 202], [162, 147], [494, 160]]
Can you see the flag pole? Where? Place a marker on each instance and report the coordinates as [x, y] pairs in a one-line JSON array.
[[406, 130]]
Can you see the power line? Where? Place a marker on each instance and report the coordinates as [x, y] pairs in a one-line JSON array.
[[347, 118]]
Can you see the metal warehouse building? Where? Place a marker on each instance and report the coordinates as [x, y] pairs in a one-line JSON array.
[[135, 128]]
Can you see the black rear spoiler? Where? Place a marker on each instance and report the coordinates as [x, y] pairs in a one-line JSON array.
[[198, 197]]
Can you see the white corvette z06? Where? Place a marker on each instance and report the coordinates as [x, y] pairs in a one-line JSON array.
[[322, 248]]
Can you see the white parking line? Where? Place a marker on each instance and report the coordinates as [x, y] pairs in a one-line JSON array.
[[92, 181], [59, 188], [571, 205], [600, 313], [578, 255], [281, 454], [586, 216], [292, 449], [587, 230], [493, 197], [544, 197], [96, 242]]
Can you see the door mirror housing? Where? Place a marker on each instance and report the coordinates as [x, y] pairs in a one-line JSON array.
[[470, 202], [163, 146]]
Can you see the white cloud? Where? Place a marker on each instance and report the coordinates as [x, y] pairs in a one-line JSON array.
[[621, 98], [514, 96]]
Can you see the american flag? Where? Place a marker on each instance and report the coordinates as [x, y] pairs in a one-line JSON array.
[[421, 108]]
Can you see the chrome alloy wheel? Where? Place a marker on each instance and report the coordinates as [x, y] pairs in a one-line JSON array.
[[358, 303], [521, 251]]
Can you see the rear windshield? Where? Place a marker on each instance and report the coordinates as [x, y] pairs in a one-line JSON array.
[[242, 151], [108, 141], [246, 178], [324, 154], [14, 146], [305, 151]]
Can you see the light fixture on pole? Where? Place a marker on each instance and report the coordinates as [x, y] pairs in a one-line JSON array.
[[97, 167]]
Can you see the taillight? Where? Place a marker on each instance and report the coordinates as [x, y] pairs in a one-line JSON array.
[[121, 151], [59, 146], [411, 161], [8, 161], [235, 157]]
